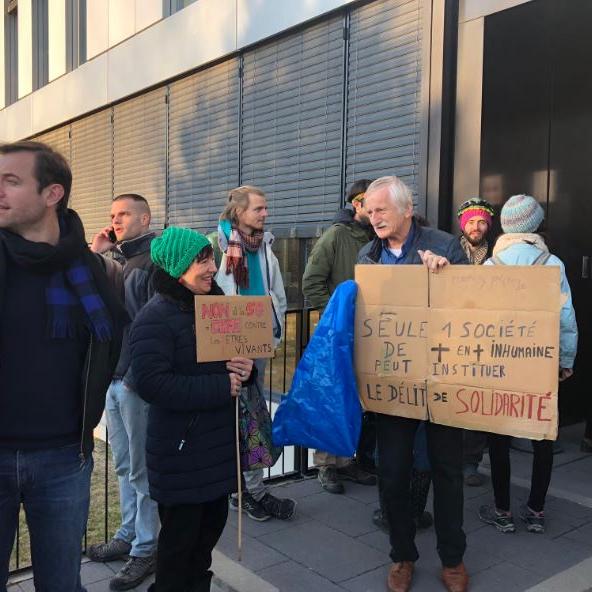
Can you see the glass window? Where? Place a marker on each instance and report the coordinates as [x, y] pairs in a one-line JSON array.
[[11, 51], [172, 6], [40, 44], [75, 33]]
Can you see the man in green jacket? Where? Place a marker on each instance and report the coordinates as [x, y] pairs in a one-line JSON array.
[[331, 262]]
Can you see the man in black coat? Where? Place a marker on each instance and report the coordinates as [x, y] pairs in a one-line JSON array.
[[60, 338], [129, 238]]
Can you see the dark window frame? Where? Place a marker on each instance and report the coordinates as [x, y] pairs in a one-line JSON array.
[[40, 39], [10, 52], [75, 34]]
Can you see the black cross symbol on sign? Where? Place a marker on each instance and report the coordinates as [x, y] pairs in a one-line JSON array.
[[478, 350], [440, 349]]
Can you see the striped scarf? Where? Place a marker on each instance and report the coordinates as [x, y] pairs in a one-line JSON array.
[[66, 290], [236, 261], [71, 285]]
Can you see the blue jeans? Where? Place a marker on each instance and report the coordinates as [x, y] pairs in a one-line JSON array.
[[54, 488], [127, 420]]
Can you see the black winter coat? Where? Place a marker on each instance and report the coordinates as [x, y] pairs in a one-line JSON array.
[[190, 446]]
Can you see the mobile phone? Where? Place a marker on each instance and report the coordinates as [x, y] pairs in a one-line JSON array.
[[112, 236]]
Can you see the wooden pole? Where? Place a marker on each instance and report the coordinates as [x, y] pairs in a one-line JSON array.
[[239, 482]]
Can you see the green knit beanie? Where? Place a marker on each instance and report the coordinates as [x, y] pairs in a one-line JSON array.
[[176, 249]]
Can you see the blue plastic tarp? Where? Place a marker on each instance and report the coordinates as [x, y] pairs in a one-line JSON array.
[[322, 409]]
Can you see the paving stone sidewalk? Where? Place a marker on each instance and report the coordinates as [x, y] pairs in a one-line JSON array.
[[332, 546]]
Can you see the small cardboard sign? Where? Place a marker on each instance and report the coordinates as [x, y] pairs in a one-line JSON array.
[[472, 346], [230, 326]]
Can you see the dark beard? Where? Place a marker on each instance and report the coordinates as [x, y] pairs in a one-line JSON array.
[[475, 243]]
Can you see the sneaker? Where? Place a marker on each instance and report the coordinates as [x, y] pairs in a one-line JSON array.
[[329, 481], [535, 521], [252, 508], [109, 551], [586, 445], [133, 573], [472, 476], [379, 519], [280, 508], [354, 472], [503, 521]]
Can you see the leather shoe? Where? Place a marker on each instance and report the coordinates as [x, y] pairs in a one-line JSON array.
[[455, 579], [400, 575]]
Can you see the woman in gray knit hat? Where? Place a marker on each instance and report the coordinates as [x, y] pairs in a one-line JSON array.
[[521, 218]]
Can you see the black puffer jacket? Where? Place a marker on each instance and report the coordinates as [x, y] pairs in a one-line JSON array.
[[190, 447]]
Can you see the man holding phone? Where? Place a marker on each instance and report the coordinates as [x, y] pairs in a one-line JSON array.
[[129, 238]]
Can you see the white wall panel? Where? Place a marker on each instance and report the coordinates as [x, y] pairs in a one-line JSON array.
[[25, 48], [56, 12], [80, 91], [472, 9], [191, 37], [18, 123], [147, 13], [122, 20], [97, 27]]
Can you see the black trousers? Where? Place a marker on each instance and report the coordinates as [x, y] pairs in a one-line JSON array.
[[542, 465], [474, 443], [188, 534], [396, 437]]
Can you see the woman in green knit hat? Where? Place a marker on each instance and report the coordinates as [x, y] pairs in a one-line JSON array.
[[190, 446]]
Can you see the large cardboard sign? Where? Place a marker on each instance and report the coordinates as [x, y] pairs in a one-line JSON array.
[[391, 336], [491, 339], [229, 326]]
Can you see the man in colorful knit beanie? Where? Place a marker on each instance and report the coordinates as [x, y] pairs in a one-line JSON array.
[[475, 217]]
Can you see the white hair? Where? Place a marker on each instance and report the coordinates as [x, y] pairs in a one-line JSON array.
[[400, 194]]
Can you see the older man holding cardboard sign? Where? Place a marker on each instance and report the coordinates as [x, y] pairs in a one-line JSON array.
[[402, 241]]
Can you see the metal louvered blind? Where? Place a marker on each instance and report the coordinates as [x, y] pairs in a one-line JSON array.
[[139, 150], [92, 176], [58, 139], [291, 123], [203, 145], [383, 123]]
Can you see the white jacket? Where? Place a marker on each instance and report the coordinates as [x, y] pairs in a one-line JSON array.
[[272, 280]]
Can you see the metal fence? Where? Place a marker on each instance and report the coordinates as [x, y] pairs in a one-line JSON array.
[[294, 462]]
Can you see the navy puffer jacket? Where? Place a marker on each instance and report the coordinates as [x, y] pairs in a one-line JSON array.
[[190, 446]]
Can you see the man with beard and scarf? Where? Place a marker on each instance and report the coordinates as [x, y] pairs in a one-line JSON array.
[[60, 338], [248, 266], [331, 262], [474, 217]]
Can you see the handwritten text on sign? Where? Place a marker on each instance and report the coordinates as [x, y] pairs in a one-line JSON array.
[[490, 339], [229, 326]]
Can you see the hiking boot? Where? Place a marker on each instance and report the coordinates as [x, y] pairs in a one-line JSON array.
[[329, 481], [535, 521], [400, 576], [503, 521], [133, 573], [109, 551], [472, 476], [424, 521], [379, 519], [252, 508], [280, 508], [354, 472], [455, 579]]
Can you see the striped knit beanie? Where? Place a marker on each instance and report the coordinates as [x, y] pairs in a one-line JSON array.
[[475, 207], [176, 248], [521, 213]]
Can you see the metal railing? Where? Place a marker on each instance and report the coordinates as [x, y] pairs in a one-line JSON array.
[[104, 512]]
